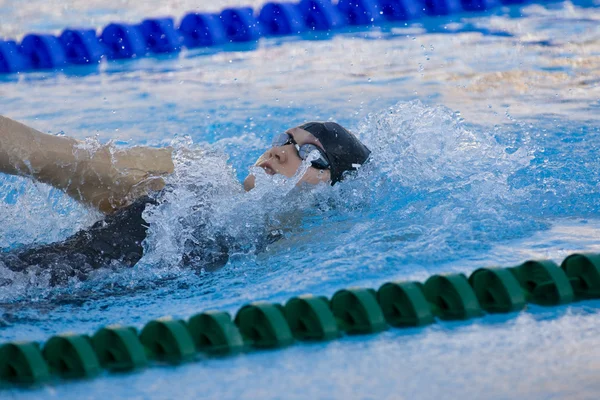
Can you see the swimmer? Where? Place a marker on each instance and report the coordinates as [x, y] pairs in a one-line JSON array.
[[121, 182]]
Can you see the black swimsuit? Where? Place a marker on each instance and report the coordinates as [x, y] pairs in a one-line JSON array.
[[117, 237]]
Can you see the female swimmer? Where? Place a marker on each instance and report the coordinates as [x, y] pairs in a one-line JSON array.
[[121, 182]]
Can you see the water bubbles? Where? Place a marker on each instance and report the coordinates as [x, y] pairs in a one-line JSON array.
[[204, 207], [419, 146]]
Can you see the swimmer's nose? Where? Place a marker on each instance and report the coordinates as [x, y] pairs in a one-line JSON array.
[[279, 153]]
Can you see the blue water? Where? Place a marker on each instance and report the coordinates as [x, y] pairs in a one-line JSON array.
[[484, 130]]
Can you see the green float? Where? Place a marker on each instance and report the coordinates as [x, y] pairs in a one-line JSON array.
[[357, 311], [214, 332], [404, 304], [167, 339], [497, 290], [310, 318], [583, 271], [71, 356], [22, 363], [263, 325], [451, 297], [119, 348], [544, 283]]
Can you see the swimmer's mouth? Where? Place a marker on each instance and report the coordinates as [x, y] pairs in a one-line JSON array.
[[267, 167]]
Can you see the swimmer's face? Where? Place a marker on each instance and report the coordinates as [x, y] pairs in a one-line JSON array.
[[285, 160]]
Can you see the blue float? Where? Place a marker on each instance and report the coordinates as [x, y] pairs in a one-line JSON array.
[[11, 58], [401, 10], [160, 35], [281, 19], [81, 46], [123, 41], [360, 12], [321, 15], [43, 51], [442, 7], [479, 5], [202, 30], [240, 24]]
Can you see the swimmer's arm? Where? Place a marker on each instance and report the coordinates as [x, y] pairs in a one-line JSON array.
[[23, 150], [104, 177]]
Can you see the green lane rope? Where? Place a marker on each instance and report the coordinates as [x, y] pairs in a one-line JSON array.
[[404, 304], [215, 333], [310, 318], [169, 340], [357, 311], [452, 297], [23, 363], [497, 290], [71, 356], [582, 271], [544, 283], [263, 325], [119, 348]]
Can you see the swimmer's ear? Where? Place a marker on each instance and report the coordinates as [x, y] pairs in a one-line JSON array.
[[324, 175]]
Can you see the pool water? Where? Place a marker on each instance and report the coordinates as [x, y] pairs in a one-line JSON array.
[[484, 132]]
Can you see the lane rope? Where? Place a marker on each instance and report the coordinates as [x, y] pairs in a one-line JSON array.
[[42, 51], [262, 325]]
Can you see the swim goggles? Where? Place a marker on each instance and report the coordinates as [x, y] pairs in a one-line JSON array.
[[303, 150]]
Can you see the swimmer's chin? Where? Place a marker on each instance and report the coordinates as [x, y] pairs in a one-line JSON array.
[[249, 183]]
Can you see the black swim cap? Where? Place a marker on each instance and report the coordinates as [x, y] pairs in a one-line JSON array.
[[343, 149]]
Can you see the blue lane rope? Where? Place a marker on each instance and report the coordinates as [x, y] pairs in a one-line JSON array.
[[232, 25]]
